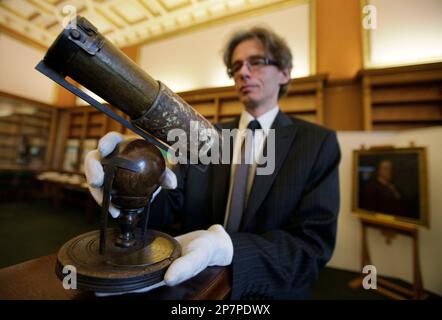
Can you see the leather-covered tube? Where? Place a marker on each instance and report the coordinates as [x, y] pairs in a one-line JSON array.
[[168, 112], [87, 57]]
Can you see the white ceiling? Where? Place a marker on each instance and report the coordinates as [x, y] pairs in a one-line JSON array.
[[124, 22]]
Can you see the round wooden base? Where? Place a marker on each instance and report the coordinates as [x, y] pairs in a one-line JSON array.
[[119, 269]]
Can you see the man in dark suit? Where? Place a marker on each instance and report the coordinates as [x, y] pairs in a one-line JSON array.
[[282, 230]]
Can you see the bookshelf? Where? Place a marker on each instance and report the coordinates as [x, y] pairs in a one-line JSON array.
[[401, 98], [305, 99], [84, 126], [27, 133]]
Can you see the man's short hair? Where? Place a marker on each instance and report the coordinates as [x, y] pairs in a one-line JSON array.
[[274, 45]]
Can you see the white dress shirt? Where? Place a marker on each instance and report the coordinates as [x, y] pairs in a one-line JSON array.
[[266, 121]]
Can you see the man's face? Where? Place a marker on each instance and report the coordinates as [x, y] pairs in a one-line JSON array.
[[258, 87], [386, 170]]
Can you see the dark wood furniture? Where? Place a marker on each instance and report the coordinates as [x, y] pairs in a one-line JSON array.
[[305, 99], [402, 97], [27, 133], [36, 280]]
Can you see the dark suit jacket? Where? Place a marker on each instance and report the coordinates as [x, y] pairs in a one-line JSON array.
[[289, 227]]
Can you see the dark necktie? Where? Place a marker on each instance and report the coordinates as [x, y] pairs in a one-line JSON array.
[[239, 187]]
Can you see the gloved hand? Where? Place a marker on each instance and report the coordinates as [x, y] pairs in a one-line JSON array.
[[95, 174], [200, 249]]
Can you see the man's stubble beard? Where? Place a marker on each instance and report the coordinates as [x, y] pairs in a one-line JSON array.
[[250, 104]]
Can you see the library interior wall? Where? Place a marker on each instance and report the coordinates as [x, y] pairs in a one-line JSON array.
[[18, 76], [394, 260], [194, 60], [339, 53]]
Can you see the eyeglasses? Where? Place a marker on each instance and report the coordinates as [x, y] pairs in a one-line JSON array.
[[252, 63]]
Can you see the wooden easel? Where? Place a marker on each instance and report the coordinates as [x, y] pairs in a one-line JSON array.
[[389, 230]]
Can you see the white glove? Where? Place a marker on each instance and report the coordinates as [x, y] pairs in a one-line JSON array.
[[95, 174], [199, 250]]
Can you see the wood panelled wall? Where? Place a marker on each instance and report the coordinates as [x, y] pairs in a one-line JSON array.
[[393, 98], [402, 97], [338, 38], [304, 99], [343, 105], [81, 127], [340, 96], [339, 55]]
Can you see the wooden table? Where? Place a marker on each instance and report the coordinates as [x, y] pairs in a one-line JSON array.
[[36, 280]]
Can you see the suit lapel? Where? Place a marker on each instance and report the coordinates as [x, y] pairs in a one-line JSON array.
[[285, 132], [221, 180]]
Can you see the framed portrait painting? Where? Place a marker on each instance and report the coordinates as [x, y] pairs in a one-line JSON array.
[[391, 183]]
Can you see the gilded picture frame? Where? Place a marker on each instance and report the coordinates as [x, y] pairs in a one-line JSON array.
[[391, 184]]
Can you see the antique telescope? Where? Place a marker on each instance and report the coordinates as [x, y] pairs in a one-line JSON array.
[[129, 258], [86, 56]]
